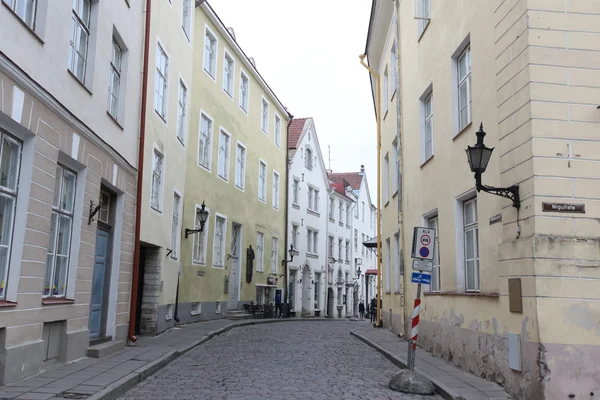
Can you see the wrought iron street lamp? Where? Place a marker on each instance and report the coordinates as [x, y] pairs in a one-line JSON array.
[[292, 252], [479, 157], [203, 218]]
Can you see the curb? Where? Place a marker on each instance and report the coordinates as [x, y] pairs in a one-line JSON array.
[[440, 388], [119, 387]]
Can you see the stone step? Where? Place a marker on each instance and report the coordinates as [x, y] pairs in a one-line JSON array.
[[238, 316], [102, 349]]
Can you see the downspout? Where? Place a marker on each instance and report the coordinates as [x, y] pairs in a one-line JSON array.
[[138, 204], [287, 196]]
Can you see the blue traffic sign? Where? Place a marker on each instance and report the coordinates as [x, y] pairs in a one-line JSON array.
[[424, 252], [420, 277]]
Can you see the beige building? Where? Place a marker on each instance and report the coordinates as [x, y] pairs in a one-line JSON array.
[[514, 296], [69, 116]]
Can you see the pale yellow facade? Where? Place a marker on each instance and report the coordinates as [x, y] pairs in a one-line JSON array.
[[535, 85]]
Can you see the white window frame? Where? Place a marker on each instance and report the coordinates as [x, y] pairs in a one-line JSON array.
[[473, 227], [79, 24], [161, 83], [224, 174], [340, 249], [397, 271], [218, 261], [240, 166], [355, 239], [209, 140], [116, 65], [274, 253], [264, 117], [14, 6], [393, 66], [348, 249], [182, 106], [213, 66], [244, 105], [395, 169], [308, 158], [330, 245], [276, 189], [158, 193], [426, 120], [200, 241], [262, 184], [176, 224], [295, 232], [295, 191], [186, 19], [196, 308], [385, 93], [433, 222], [425, 6], [464, 81], [341, 212], [228, 85], [277, 130], [331, 209], [388, 269], [260, 251]]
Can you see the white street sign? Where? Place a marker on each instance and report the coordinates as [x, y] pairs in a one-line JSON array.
[[423, 243], [422, 265]]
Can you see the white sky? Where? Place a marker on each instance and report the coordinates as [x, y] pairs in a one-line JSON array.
[[307, 51]]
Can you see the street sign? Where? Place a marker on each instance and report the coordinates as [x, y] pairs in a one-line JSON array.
[[421, 278], [423, 243], [422, 265]]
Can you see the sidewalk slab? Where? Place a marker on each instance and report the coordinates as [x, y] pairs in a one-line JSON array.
[[450, 381], [110, 376]]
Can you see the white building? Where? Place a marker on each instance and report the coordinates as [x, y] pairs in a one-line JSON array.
[[307, 219], [343, 291]]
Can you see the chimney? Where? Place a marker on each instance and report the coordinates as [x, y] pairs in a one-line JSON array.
[[231, 32], [252, 61], [362, 169]]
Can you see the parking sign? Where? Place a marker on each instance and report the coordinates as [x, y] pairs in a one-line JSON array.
[[423, 243]]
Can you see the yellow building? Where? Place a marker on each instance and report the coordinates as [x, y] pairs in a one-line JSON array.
[[236, 166], [515, 296]]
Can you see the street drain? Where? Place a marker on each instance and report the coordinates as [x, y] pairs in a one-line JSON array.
[[72, 395]]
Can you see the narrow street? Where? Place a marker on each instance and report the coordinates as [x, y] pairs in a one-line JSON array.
[[301, 360]]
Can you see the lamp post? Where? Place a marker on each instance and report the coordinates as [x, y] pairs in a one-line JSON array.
[[378, 119], [479, 157], [203, 218]]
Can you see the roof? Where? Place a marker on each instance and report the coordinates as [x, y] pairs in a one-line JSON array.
[[354, 179], [371, 272], [340, 189], [295, 131]]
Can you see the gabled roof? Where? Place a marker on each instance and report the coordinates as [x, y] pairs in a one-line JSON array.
[[340, 189], [354, 179], [295, 132]]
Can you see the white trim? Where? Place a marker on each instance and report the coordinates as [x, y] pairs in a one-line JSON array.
[[277, 118], [224, 250], [459, 235], [245, 169], [466, 42], [261, 161], [262, 258], [278, 198], [179, 224], [247, 110], [192, 312], [262, 101], [159, 210], [187, 110], [427, 93], [205, 232], [232, 94], [115, 267], [207, 167], [164, 118], [228, 160], [192, 8], [207, 29]]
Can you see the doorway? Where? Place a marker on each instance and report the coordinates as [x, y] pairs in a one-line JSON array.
[[330, 303], [306, 288], [234, 266], [291, 289]]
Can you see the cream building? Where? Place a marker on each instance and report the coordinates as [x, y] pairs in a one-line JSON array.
[[236, 165], [515, 297], [69, 117]]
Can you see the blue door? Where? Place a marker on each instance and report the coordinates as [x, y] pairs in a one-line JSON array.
[[96, 302]]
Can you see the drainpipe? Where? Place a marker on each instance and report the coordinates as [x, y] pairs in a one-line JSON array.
[[138, 204], [287, 196]]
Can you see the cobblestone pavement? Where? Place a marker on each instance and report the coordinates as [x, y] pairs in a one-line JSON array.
[[296, 360]]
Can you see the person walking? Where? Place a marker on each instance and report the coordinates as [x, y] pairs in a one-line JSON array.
[[278, 313], [361, 309], [373, 309]]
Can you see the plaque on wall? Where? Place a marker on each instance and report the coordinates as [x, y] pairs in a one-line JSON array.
[[563, 208]]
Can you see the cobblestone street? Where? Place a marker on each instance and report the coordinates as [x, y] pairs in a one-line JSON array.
[[317, 360]]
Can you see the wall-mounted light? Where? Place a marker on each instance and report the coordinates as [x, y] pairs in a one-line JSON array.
[[479, 157], [292, 252], [203, 218]]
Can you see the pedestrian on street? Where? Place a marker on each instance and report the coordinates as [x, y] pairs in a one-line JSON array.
[[361, 309], [278, 304], [373, 309]]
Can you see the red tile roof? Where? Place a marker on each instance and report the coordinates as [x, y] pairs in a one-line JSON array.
[[340, 188], [295, 131], [354, 179]]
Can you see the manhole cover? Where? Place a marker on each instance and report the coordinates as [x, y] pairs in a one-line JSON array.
[[73, 395]]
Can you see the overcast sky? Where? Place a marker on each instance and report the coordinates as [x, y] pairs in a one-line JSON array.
[[307, 51]]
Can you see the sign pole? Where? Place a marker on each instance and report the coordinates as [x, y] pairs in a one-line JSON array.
[[412, 344]]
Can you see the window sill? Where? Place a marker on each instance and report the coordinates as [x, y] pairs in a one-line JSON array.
[[347, 262], [385, 114], [115, 120], [394, 92], [218, 266], [468, 294], [195, 313], [4, 303], [52, 301], [341, 224], [156, 209], [424, 30], [395, 193], [204, 167], [81, 83], [296, 206], [427, 161], [312, 255], [462, 130], [347, 226], [397, 293], [331, 220], [315, 213], [198, 263], [163, 119], [34, 33], [388, 292]]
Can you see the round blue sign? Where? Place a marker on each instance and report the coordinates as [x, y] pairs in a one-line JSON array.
[[424, 252]]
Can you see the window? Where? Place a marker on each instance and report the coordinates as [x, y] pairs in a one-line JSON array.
[[397, 271], [218, 307], [204, 141], [57, 259], [219, 241], [186, 18], [340, 248], [356, 240], [341, 216], [385, 92], [275, 190], [277, 130], [228, 71], [262, 181], [471, 232], [10, 157], [312, 241], [464, 89], [356, 212], [210, 53], [425, 14], [244, 91], [395, 168], [393, 66], [317, 290], [104, 212], [330, 247], [295, 191], [348, 250], [169, 313], [264, 120], [200, 239], [240, 166], [428, 127], [385, 176], [348, 214], [433, 223], [274, 251], [309, 159], [25, 9], [363, 211], [313, 199], [295, 236], [80, 34], [181, 112], [388, 272], [114, 83], [160, 90], [175, 226], [260, 254], [223, 164], [371, 221], [157, 181], [331, 208], [196, 308], [362, 248]]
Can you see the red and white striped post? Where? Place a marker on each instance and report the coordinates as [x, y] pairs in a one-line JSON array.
[[414, 331]]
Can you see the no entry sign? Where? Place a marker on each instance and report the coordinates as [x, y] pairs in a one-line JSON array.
[[423, 243]]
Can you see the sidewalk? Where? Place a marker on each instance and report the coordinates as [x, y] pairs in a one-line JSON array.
[[109, 376], [450, 381]]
